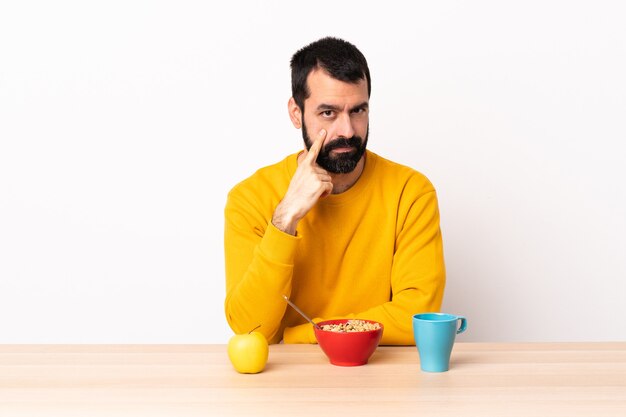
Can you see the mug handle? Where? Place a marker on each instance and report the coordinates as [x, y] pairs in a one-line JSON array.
[[463, 324]]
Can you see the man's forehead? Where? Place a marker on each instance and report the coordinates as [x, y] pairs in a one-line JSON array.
[[324, 88]]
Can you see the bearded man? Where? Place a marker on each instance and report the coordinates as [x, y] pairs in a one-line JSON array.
[[340, 230]]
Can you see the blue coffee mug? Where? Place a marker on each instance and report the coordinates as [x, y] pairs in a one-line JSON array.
[[434, 335]]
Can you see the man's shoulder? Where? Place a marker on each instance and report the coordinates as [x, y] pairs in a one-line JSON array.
[[402, 175]]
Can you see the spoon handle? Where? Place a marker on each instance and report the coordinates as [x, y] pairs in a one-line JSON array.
[[301, 313]]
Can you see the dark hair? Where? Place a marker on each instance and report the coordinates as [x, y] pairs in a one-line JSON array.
[[340, 59]]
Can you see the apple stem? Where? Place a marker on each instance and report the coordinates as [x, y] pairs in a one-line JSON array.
[[254, 329]]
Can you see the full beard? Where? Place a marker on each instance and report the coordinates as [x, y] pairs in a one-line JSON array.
[[343, 162]]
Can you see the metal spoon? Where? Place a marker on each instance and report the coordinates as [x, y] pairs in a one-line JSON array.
[[295, 307]]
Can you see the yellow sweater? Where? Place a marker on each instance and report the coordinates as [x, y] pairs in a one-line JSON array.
[[373, 252]]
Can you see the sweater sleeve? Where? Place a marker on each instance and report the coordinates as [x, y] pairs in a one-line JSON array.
[[259, 262], [417, 277]]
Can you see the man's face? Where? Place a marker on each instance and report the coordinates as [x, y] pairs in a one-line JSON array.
[[342, 109]]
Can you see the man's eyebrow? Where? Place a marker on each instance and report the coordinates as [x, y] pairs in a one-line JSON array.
[[365, 105], [324, 107]]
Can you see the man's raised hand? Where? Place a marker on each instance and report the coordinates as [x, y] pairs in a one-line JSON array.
[[309, 183]]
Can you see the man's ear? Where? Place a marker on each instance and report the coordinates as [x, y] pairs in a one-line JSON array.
[[295, 114]]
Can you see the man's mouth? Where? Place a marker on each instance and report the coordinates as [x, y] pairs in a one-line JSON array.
[[344, 150]]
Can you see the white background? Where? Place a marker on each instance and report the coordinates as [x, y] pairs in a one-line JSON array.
[[123, 124]]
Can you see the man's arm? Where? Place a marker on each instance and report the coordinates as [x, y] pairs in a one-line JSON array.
[[417, 278], [259, 265], [260, 256]]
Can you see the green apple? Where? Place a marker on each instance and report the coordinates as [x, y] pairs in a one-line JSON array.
[[248, 352]]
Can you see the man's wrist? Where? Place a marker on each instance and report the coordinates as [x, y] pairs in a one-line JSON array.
[[285, 219], [283, 223]]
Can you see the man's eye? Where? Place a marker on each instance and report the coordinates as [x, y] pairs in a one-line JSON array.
[[327, 113]]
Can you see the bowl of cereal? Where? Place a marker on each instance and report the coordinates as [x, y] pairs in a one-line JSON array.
[[348, 342]]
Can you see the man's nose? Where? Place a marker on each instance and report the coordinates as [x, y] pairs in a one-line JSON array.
[[344, 127]]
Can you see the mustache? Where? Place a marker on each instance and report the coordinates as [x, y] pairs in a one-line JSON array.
[[353, 142]]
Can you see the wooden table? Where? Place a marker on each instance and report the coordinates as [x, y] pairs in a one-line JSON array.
[[568, 379]]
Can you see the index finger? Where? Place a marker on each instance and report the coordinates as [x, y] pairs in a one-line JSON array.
[[317, 145]]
